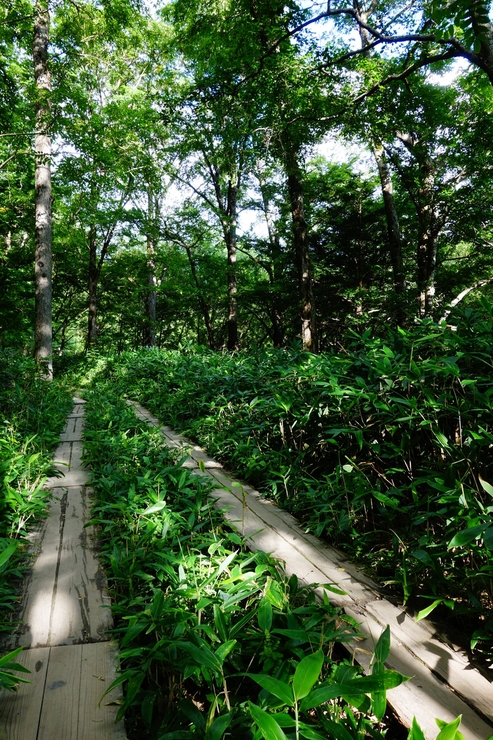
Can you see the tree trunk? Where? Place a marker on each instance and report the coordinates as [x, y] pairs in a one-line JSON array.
[[92, 327], [274, 276], [43, 342], [300, 238], [429, 224], [151, 296], [204, 308]]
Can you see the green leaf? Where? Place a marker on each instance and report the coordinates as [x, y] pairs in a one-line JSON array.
[[427, 610], [487, 486], [202, 656], [307, 672], [218, 727], [337, 731], [280, 689], [266, 723], [7, 553], [415, 733], [466, 536], [224, 650], [265, 615], [382, 648], [488, 538], [159, 506], [379, 698], [357, 687], [449, 731]]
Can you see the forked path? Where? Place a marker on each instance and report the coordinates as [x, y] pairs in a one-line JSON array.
[[443, 683], [64, 620]]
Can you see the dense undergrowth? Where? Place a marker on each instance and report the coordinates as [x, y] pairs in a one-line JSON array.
[[215, 641], [32, 415], [383, 448]]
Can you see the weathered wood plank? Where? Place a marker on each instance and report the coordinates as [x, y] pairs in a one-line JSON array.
[[97, 721], [77, 611], [451, 665], [38, 599], [65, 601], [20, 710], [60, 712], [425, 696]]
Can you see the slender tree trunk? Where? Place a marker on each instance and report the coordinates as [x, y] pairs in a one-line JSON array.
[[151, 296], [43, 342], [300, 238], [204, 308], [274, 276], [229, 226], [92, 326], [393, 228]]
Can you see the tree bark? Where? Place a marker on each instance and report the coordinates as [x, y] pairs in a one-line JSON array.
[[92, 326], [429, 224], [300, 239], [151, 295], [204, 308], [229, 226], [274, 276], [43, 335]]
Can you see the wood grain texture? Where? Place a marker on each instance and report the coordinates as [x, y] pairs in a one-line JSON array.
[[20, 710]]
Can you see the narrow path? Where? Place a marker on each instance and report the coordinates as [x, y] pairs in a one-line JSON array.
[[444, 684], [64, 620]]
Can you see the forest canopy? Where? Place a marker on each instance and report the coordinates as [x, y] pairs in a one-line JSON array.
[[240, 174]]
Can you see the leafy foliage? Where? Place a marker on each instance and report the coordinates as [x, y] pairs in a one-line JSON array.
[[380, 448], [212, 637]]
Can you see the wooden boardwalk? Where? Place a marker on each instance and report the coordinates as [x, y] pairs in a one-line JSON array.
[[443, 685], [64, 620]]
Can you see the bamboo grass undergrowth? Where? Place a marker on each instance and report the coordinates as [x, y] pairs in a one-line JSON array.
[[382, 448], [215, 641]]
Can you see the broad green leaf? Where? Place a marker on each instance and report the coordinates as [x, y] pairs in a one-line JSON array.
[[379, 698], [218, 727], [159, 506], [7, 553], [266, 723], [280, 689], [224, 650], [488, 538], [487, 486], [357, 687], [337, 731], [382, 648], [202, 656], [265, 615], [466, 536], [307, 672]]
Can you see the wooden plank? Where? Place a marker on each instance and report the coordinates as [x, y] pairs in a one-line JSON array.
[[20, 710], [78, 612], [425, 696], [37, 603], [451, 665], [73, 430], [60, 712], [66, 600], [97, 721]]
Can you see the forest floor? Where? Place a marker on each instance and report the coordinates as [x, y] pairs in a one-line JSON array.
[[64, 619], [65, 616]]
